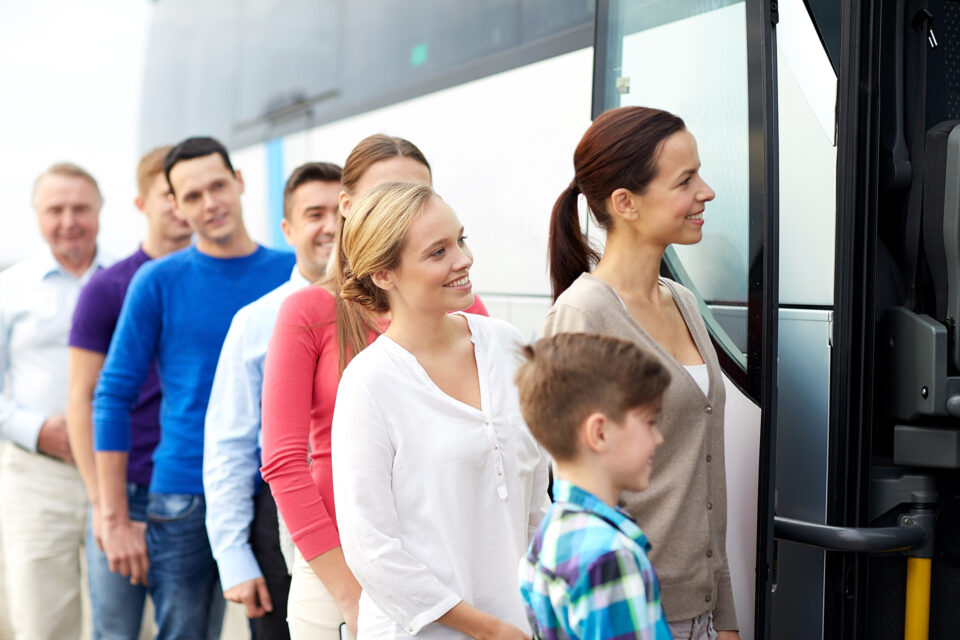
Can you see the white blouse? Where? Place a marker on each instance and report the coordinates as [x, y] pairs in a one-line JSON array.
[[436, 500], [699, 374]]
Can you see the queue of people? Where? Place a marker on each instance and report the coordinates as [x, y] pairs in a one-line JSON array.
[[341, 439]]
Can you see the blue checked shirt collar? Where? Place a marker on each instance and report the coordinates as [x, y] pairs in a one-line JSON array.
[[564, 491]]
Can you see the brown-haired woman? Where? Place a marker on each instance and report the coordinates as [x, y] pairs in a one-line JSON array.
[[639, 172], [315, 335]]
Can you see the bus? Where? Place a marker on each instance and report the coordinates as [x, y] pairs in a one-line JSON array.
[[827, 274]]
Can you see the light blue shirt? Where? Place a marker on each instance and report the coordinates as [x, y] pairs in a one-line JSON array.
[[37, 297], [232, 438]]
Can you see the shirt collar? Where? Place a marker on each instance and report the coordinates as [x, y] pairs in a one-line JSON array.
[[297, 279], [564, 491], [47, 265]]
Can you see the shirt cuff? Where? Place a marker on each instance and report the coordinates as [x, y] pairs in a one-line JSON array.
[[317, 540], [421, 620], [236, 566], [24, 428], [725, 613]]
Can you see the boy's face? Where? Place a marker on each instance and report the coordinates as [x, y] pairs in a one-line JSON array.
[[632, 443]]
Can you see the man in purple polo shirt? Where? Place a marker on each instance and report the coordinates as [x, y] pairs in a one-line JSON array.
[[117, 604]]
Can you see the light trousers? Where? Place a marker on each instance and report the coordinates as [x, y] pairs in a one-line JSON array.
[[43, 505], [312, 612]]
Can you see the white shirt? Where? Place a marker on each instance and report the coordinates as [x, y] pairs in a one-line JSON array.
[[436, 500], [37, 297], [699, 374], [232, 437]]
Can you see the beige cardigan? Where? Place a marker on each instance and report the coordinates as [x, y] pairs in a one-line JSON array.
[[684, 510]]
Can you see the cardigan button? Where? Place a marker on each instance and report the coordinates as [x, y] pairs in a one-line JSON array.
[[708, 410], [709, 553], [709, 458], [708, 598], [709, 506]]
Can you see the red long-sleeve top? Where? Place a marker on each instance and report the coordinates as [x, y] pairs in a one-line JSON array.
[[300, 382]]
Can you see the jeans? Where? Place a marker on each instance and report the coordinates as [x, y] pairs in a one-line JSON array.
[[117, 605], [183, 578]]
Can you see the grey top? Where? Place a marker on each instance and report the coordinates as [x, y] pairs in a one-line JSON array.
[[684, 510]]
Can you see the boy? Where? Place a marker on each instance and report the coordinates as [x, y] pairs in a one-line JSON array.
[[592, 403]]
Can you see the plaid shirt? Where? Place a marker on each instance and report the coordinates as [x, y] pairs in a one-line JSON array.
[[586, 574]]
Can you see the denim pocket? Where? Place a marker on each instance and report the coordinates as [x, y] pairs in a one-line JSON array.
[[169, 507]]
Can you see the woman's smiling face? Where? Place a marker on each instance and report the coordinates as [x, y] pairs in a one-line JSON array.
[[671, 207], [434, 269]]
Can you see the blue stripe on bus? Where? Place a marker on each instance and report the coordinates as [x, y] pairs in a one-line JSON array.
[[275, 191]]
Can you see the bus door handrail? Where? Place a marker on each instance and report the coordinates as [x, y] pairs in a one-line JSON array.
[[851, 539]]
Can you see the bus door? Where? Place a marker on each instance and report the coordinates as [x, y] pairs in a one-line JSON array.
[[876, 553]]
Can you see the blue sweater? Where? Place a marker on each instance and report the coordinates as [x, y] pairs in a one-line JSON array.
[[177, 312]]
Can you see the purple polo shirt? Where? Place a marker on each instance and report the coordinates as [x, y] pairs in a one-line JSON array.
[[94, 321]]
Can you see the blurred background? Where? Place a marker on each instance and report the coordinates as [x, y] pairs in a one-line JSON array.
[[71, 80]]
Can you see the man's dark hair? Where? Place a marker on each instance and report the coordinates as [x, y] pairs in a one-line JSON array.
[[194, 148], [309, 172]]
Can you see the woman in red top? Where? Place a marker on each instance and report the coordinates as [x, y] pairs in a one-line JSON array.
[[313, 339]]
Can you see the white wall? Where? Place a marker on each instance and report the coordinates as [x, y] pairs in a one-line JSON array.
[[501, 149], [70, 81]]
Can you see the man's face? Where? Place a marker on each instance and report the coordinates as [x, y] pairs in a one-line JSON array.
[[158, 208], [68, 212], [206, 194], [312, 226]]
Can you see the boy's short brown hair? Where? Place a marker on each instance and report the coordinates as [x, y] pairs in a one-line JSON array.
[[149, 167], [565, 378]]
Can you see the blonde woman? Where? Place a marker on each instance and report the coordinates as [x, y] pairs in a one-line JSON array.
[[438, 483]]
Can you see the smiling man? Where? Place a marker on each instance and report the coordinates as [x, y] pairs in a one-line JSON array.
[[43, 505], [241, 513], [177, 311]]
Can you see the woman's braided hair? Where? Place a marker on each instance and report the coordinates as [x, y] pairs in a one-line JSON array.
[[374, 237]]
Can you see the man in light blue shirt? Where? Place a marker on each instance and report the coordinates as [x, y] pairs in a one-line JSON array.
[[43, 504], [241, 515]]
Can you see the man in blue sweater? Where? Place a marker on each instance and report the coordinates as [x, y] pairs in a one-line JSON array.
[[177, 312]]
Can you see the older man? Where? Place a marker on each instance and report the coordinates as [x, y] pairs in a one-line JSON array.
[[43, 504]]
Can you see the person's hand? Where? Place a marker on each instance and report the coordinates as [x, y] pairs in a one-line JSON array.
[[504, 631], [53, 439], [125, 546], [728, 635], [350, 609], [253, 595]]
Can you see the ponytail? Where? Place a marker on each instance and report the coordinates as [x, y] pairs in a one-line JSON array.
[[618, 151], [570, 254], [354, 324]]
